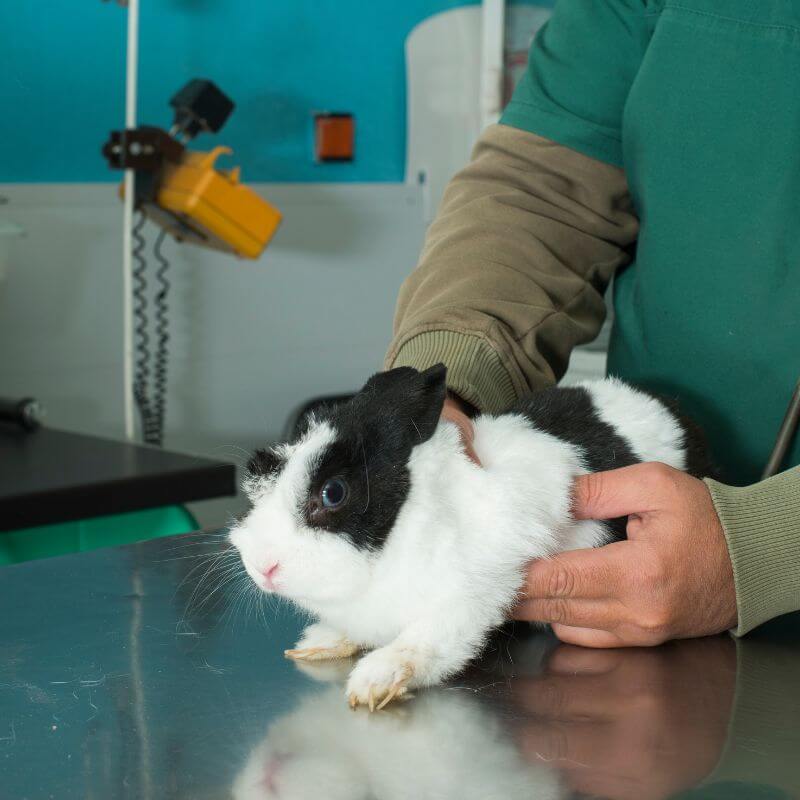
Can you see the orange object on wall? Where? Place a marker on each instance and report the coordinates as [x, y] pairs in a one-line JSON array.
[[334, 137]]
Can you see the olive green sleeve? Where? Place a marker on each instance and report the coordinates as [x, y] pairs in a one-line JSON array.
[[762, 527], [514, 267]]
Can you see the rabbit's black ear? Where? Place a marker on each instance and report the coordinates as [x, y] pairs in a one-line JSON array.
[[388, 382], [426, 402], [413, 398]]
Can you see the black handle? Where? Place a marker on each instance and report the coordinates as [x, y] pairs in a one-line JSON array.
[[27, 412]]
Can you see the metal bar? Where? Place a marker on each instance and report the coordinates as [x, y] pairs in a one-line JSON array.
[[785, 435], [492, 54], [131, 84]]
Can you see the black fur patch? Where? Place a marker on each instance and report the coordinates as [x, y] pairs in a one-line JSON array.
[[569, 414], [264, 463], [698, 458], [375, 433]]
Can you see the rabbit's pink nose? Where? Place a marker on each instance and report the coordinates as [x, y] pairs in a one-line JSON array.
[[269, 574]]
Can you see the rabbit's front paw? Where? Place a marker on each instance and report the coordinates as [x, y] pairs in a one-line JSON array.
[[320, 643], [380, 677]]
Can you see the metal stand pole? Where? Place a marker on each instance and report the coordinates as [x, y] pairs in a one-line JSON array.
[[127, 228], [785, 435]]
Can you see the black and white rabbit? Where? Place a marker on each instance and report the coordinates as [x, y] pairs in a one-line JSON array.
[[376, 522]]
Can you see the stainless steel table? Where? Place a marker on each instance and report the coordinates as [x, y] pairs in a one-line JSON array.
[[138, 672]]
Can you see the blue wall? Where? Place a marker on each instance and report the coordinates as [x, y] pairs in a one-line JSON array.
[[62, 81]]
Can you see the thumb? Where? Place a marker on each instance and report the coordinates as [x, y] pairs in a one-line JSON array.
[[618, 492], [451, 412]]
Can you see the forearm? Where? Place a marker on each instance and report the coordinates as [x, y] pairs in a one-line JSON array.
[[514, 267], [762, 527]]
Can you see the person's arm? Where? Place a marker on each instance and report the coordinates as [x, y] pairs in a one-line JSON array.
[[528, 235], [514, 268], [762, 528]]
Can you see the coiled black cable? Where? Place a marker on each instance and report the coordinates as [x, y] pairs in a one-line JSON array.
[[141, 343], [162, 338], [151, 406]]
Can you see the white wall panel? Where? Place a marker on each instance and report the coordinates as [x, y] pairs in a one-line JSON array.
[[250, 340]]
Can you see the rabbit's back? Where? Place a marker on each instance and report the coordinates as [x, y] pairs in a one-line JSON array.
[[615, 425]]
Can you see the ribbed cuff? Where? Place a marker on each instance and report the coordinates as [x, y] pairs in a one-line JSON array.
[[474, 370], [762, 527]]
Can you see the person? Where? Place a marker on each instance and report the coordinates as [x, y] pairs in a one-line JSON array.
[[659, 143]]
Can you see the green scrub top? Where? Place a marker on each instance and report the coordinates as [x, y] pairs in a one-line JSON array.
[[699, 102]]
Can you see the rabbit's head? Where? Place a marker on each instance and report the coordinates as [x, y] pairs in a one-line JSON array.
[[323, 506]]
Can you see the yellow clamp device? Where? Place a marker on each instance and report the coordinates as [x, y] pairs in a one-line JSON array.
[[196, 202], [182, 190]]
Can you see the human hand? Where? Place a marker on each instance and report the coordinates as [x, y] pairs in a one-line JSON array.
[[629, 723], [671, 579], [454, 411]]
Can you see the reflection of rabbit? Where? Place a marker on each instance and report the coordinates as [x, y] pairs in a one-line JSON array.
[[446, 745], [377, 522]]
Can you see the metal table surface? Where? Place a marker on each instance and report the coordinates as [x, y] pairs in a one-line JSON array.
[[139, 672]]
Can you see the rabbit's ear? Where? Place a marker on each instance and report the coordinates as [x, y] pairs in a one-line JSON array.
[[414, 398], [425, 402], [387, 383], [265, 463]]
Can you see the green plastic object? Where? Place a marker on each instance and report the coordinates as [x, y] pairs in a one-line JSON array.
[[89, 534]]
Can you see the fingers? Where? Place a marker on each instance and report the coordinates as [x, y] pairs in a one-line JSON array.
[[452, 412], [587, 637], [591, 574], [471, 454], [602, 614], [617, 493]]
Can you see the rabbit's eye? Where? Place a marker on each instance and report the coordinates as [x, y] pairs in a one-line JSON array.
[[334, 493]]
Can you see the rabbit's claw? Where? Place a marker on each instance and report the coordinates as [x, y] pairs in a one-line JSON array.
[[398, 691], [321, 643], [342, 650], [375, 684]]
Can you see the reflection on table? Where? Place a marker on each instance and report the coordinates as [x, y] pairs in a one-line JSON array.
[[154, 671]]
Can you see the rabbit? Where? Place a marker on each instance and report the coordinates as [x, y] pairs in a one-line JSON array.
[[376, 522]]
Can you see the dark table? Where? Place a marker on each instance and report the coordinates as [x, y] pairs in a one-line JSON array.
[[50, 476], [147, 672]]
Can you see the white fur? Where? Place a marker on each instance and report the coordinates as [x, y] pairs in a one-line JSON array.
[[316, 567], [453, 564], [446, 745], [652, 431]]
